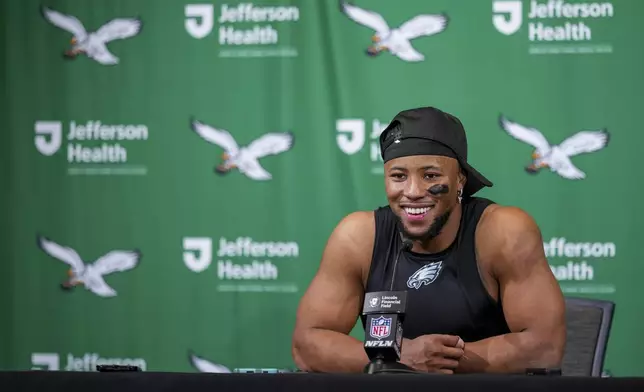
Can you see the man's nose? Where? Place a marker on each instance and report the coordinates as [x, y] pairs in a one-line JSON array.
[[415, 189]]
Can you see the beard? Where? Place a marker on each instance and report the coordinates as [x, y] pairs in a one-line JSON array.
[[432, 232]]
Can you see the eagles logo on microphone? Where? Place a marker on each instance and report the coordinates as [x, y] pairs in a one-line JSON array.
[[380, 327]]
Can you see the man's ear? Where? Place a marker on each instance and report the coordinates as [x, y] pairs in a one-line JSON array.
[[462, 179]]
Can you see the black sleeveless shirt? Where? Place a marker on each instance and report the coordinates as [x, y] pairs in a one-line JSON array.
[[445, 293]]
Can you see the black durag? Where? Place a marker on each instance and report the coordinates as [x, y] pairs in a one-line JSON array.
[[416, 146]]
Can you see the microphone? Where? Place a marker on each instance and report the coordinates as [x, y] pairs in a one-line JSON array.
[[383, 313], [407, 244]]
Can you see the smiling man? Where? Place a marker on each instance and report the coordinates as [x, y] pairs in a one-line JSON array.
[[481, 296]]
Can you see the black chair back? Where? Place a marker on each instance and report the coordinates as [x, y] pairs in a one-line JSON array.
[[588, 323]]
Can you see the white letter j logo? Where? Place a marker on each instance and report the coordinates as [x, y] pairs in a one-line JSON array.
[[513, 22]]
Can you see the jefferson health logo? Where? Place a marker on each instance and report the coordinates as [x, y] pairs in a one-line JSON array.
[[398, 41], [244, 29], [246, 159], [243, 264], [90, 275], [93, 147], [556, 158], [93, 44], [555, 26], [358, 138], [84, 363], [576, 265]]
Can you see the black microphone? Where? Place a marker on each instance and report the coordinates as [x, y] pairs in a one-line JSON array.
[[383, 313], [407, 244]]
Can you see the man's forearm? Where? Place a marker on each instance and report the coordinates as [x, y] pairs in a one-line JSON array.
[[510, 353], [321, 350]]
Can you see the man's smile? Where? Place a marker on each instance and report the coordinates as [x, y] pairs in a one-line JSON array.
[[416, 213]]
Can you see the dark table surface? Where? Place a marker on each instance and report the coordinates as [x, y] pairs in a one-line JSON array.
[[50, 381]]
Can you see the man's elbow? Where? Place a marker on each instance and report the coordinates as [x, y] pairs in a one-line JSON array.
[[550, 357], [548, 349], [297, 349], [298, 359]]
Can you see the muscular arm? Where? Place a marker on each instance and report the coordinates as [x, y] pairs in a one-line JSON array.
[[330, 307], [532, 301]]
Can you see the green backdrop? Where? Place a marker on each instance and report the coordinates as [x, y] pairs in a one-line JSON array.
[[214, 265]]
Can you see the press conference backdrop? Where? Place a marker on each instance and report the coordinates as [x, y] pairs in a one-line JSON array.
[[113, 170]]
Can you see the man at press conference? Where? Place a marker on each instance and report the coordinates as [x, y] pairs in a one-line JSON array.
[[481, 297]]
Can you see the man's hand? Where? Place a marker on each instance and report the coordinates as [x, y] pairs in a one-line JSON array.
[[432, 353]]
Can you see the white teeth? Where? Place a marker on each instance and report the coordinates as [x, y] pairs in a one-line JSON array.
[[416, 211]]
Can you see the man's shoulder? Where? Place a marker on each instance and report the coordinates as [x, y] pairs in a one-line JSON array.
[[357, 222], [505, 219], [350, 245], [356, 231], [365, 221], [506, 232]]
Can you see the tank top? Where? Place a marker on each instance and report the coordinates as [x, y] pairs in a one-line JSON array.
[[445, 293]]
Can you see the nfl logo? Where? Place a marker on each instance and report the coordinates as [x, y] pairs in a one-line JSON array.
[[380, 327]]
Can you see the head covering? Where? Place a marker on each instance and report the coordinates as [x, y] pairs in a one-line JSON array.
[[430, 131]]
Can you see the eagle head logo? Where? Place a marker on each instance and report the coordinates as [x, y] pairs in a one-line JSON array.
[[426, 275]]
